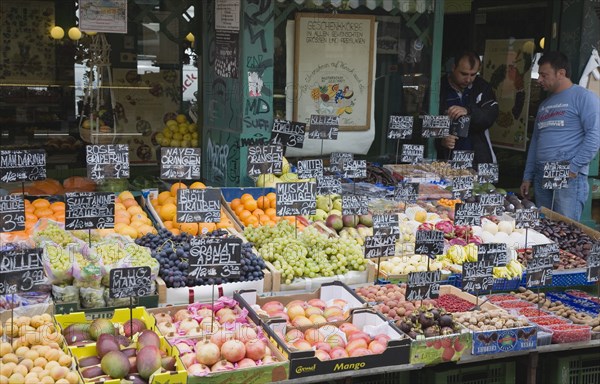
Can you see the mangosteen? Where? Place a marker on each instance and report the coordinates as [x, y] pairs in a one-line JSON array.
[[432, 331], [445, 320], [447, 331], [426, 319], [412, 334], [436, 313], [405, 326]]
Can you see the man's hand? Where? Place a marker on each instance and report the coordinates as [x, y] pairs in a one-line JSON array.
[[449, 141], [572, 175], [525, 185], [456, 111]]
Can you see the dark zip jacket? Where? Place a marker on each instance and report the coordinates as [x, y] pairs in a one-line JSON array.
[[483, 109]]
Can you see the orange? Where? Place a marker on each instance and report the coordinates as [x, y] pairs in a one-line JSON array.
[[43, 212], [272, 197], [246, 196], [155, 203], [207, 227], [40, 203], [239, 210], [57, 206], [244, 215], [171, 200], [264, 220], [137, 224], [271, 212], [168, 224], [122, 220], [175, 187], [163, 196], [139, 217], [235, 203], [224, 224], [30, 217], [135, 209], [119, 207], [60, 217], [168, 211], [251, 221], [29, 208], [125, 195], [250, 205], [263, 202], [175, 231], [144, 229], [258, 212], [128, 231], [130, 203], [191, 228], [198, 185]]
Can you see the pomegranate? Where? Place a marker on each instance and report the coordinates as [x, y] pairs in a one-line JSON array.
[[204, 313], [182, 314], [233, 350], [246, 363], [167, 328], [198, 370], [197, 331], [183, 348], [224, 311], [187, 324], [222, 365], [207, 353], [269, 360], [163, 318], [221, 336], [245, 333], [209, 326], [255, 349], [188, 359]]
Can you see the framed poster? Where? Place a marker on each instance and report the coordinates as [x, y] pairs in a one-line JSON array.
[[507, 67], [333, 68], [103, 16]]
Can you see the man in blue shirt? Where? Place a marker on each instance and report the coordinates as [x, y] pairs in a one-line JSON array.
[[567, 128]]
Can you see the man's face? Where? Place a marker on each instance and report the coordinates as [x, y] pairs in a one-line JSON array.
[[549, 79], [463, 75]]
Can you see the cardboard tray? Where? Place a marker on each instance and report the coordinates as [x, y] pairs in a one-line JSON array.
[[305, 364], [558, 217], [249, 299]]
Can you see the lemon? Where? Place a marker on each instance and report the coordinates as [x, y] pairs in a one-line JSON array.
[[171, 123], [187, 136], [181, 118]]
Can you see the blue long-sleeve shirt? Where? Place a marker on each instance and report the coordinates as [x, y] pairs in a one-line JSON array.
[[567, 127]]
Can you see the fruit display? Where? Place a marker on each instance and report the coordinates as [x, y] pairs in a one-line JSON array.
[[305, 254], [171, 252], [178, 132], [567, 259], [490, 320], [403, 265], [569, 237], [260, 211]]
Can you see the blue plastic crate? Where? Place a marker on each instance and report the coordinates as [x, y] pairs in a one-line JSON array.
[[579, 304], [499, 284], [569, 279]]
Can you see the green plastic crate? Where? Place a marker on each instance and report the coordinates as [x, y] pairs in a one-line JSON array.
[[575, 369], [498, 373]]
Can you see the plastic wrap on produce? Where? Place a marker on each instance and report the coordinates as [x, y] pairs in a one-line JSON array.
[[25, 299], [57, 262], [92, 297], [65, 294], [366, 189], [88, 268]]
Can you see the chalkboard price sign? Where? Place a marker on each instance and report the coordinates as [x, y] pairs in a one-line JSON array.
[[429, 243], [467, 214], [308, 169], [107, 161], [89, 210], [212, 257], [12, 213], [329, 185], [22, 165], [355, 205], [400, 127], [477, 277], [527, 218], [324, 127], [556, 175], [288, 133], [21, 270], [487, 173], [423, 285], [355, 169], [129, 282], [435, 126], [460, 127], [179, 163], [386, 224], [379, 246], [295, 199], [539, 271], [199, 205], [406, 192], [593, 264], [337, 160], [494, 253], [263, 159], [462, 187], [412, 153], [492, 203], [462, 159], [546, 250]]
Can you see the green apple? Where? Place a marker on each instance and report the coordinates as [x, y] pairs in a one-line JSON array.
[[264, 180]]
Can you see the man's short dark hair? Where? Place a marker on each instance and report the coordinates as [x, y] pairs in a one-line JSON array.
[[471, 56], [557, 60]]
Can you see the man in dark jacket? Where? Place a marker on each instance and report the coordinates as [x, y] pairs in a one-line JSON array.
[[464, 93]]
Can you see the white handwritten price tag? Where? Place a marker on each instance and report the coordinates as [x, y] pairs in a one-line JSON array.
[[400, 127], [199, 205], [110, 161], [308, 169], [324, 127], [263, 159], [129, 282], [477, 277], [295, 199], [288, 133], [22, 165], [179, 163], [21, 270], [89, 210], [215, 257], [423, 285], [435, 126], [12, 213]]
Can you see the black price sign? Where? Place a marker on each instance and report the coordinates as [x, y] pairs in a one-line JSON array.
[[179, 163], [310, 168], [12, 213], [324, 127], [406, 192], [378, 246], [110, 161], [199, 205], [423, 285], [400, 127], [462, 187], [546, 250], [487, 173], [355, 169], [492, 203], [435, 126], [288, 133], [556, 175], [429, 243], [263, 159], [412, 153], [460, 126], [215, 257], [22, 165], [329, 185], [494, 253], [89, 210], [21, 270], [462, 159], [355, 205], [539, 271], [295, 199], [337, 160], [467, 214], [386, 224], [129, 282], [477, 277], [527, 218], [593, 264]]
